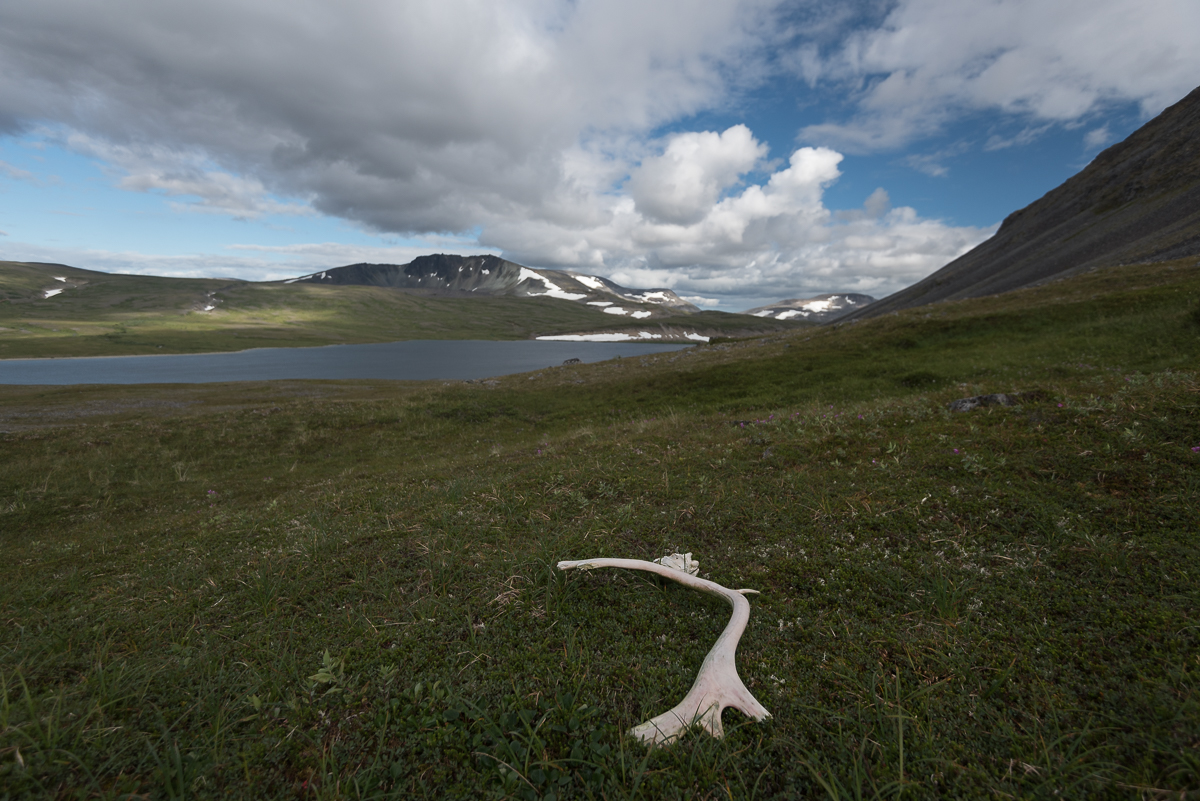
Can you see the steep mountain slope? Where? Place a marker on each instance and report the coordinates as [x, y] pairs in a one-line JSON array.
[[819, 309], [490, 275], [1138, 201]]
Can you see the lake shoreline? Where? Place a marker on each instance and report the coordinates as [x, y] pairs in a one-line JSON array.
[[403, 360]]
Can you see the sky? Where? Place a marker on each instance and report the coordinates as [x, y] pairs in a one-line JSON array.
[[738, 152]]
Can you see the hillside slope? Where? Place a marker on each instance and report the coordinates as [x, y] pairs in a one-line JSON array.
[[49, 310], [448, 274], [1138, 201]]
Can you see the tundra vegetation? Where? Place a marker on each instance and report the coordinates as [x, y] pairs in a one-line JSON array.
[[96, 314], [347, 589]]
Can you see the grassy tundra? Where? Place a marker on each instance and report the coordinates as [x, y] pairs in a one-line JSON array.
[[97, 314], [347, 589]]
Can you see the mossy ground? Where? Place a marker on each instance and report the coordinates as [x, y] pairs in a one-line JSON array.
[[347, 589]]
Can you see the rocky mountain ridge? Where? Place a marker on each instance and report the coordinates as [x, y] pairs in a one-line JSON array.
[[448, 274]]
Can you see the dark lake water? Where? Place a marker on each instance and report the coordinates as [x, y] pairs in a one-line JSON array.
[[412, 360]]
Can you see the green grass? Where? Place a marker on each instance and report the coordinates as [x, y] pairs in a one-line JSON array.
[[346, 589], [98, 314]]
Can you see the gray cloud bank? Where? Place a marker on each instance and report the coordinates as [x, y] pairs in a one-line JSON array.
[[527, 125]]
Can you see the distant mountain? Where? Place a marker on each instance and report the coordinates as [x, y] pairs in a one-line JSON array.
[[1138, 201], [820, 309], [445, 274]]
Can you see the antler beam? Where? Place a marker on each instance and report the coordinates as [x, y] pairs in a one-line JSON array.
[[717, 684]]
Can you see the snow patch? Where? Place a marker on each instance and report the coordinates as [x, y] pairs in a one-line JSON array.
[[57, 278], [603, 337], [49, 293], [789, 314], [552, 289], [209, 308], [590, 282], [819, 305], [599, 303], [640, 314], [615, 310], [652, 297], [697, 337], [292, 280], [766, 313]]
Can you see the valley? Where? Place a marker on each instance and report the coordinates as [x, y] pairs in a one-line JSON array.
[[89, 313]]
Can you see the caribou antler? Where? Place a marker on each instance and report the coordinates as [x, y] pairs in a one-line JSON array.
[[717, 684]]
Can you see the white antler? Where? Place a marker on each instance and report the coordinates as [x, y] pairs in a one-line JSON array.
[[717, 684]]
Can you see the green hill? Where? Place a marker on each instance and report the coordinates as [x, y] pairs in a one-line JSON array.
[[101, 314]]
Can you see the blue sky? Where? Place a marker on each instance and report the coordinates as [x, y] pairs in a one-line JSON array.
[[737, 151]]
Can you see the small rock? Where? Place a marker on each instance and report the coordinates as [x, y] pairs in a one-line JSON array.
[[967, 404]]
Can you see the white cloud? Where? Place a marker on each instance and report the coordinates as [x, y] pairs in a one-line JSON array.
[[685, 181], [930, 164], [247, 262], [149, 168], [1025, 136], [701, 301], [338, 253], [201, 265], [771, 239], [1097, 138], [15, 173], [878, 203], [1045, 61]]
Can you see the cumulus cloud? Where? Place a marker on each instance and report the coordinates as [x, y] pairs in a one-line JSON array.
[[1046, 61], [683, 183], [431, 115], [770, 239]]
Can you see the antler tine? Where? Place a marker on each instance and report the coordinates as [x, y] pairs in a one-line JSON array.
[[717, 684]]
